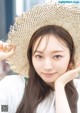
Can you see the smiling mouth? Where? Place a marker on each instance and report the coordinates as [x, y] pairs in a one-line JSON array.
[[49, 74]]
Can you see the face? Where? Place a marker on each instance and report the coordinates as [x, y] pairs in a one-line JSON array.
[[51, 59]]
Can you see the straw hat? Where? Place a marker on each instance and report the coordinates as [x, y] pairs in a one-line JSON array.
[[67, 16]]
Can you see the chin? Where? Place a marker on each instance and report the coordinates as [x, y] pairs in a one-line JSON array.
[[49, 81]]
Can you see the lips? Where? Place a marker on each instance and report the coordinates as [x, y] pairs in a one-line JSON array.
[[48, 74]]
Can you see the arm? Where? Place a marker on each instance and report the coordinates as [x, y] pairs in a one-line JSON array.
[[62, 105]]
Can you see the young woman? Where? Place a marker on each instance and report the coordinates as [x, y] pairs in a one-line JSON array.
[[51, 54]]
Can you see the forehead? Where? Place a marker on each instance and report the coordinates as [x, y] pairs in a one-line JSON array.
[[50, 43]]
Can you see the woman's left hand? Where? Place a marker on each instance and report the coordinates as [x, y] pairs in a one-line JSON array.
[[67, 76]]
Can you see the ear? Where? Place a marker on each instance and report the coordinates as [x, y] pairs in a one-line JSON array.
[[71, 66]]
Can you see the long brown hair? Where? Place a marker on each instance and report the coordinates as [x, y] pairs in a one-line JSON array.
[[36, 89]]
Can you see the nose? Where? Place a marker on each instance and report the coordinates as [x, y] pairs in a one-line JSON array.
[[48, 64]]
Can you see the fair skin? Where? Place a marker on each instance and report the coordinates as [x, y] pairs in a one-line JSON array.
[[51, 65], [48, 64], [53, 61], [6, 50]]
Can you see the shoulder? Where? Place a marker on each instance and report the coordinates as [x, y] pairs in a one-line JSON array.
[[11, 91], [77, 85], [12, 81], [12, 85]]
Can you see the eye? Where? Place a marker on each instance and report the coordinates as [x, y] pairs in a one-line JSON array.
[[38, 56], [57, 56]]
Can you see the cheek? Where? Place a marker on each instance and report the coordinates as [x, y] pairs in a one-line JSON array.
[[62, 66], [37, 66]]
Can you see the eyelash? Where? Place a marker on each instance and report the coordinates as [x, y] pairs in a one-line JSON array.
[[38, 56], [59, 56], [56, 56]]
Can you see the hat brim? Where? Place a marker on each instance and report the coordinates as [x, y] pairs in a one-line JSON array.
[[25, 25]]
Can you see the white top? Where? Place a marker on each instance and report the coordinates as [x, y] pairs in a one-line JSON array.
[[77, 84], [11, 93], [48, 105]]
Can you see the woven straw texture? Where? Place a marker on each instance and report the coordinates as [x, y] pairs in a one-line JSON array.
[[47, 14]]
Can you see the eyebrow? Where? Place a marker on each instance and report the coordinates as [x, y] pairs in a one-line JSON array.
[[56, 51]]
